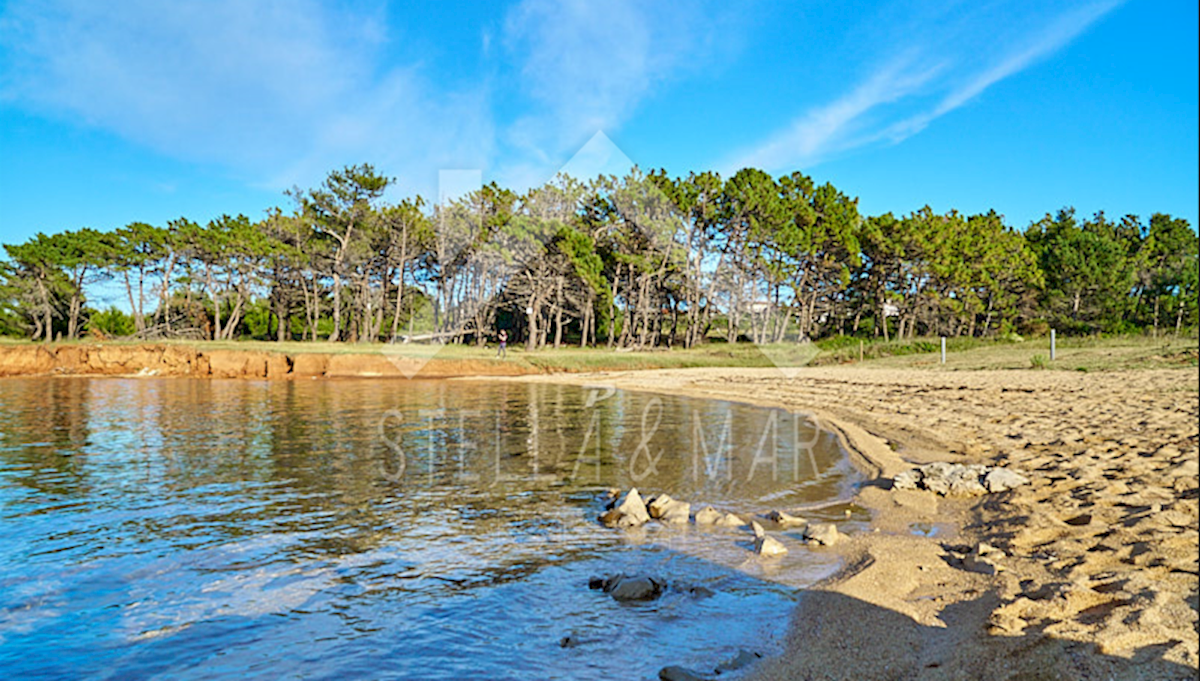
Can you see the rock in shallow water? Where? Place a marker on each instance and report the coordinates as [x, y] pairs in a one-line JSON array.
[[743, 658], [769, 546], [610, 518], [636, 589], [825, 534], [677, 673], [631, 512], [731, 520], [781, 518], [708, 516], [670, 511], [764, 545], [629, 588], [758, 530]]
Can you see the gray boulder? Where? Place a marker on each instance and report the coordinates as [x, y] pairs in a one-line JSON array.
[[909, 479], [935, 477], [624, 588], [957, 479], [964, 482], [636, 589]]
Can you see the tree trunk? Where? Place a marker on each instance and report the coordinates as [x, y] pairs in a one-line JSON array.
[[531, 313], [47, 312], [400, 283], [1156, 298], [558, 312], [164, 292], [612, 309], [337, 307], [138, 322]]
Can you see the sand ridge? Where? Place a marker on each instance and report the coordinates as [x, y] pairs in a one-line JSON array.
[[1099, 575]]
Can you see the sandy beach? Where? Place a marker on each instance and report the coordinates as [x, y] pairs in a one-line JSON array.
[[1099, 574]]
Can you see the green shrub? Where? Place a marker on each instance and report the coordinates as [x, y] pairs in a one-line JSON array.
[[112, 322]]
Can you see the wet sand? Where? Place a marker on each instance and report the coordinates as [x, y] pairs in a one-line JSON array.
[[1099, 578]]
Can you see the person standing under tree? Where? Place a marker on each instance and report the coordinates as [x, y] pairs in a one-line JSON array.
[[502, 351]]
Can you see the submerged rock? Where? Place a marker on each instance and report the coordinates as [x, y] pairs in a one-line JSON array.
[[636, 589], [610, 518], [782, 518], [744, 658], [708, 516], [731, 520], [609, 497], [624, 588], [825, 534], [677, 673]]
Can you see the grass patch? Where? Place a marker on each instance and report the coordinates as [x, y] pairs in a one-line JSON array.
[[1073, 354]]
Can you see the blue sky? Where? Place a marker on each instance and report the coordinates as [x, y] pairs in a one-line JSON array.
[[142, 110]]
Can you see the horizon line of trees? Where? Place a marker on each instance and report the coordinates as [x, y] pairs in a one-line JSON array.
[[639, 261]]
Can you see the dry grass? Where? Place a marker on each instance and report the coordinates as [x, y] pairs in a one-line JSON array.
[[964, 354]]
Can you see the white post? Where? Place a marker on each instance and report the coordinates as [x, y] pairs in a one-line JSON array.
[[1052, 348], [943, 349]]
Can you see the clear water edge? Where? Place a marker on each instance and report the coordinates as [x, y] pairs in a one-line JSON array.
[[200, 529]]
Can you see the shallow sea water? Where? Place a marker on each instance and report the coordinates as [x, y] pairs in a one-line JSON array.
[[194, 529]]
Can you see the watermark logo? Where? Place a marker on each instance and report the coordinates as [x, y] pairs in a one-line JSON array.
[[610, 439]]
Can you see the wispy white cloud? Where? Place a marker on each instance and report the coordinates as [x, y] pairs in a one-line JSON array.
[[830, 127], [931, 79], [278, 92], [276, 89], [586, 67]]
